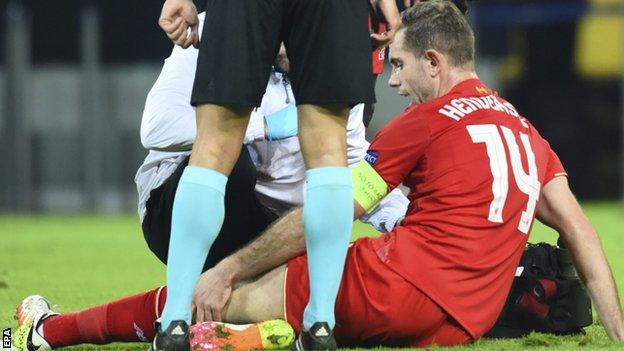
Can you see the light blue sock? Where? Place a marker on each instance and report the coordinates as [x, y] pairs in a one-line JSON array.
[[327, 221], [198, 212]]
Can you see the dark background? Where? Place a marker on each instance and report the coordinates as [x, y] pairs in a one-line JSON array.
[[580, 115]]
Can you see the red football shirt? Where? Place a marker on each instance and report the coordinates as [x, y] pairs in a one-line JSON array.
[[474, 168]]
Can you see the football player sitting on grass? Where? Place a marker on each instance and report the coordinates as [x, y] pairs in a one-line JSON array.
[[478, 173]]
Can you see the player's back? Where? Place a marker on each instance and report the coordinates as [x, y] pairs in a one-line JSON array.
[[482, 168], [475, 176]]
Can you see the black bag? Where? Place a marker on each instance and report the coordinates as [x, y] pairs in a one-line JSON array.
[[547, 296]]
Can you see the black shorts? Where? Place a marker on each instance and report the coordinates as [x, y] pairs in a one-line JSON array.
[[245, 216], [327, 41]]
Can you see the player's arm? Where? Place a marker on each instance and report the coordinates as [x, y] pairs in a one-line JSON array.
[[168, 122], [392, 208], [282, 241], [559, 209], [390, 13], [386, 168]]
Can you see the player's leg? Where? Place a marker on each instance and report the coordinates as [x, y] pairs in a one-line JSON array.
[[130, 319], [235, 55], [375, 305], [330, 53], [257, 300], [245, 216], [257, 308]]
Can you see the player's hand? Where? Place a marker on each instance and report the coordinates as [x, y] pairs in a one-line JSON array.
[[212, 293], [392, 17], [380, 40], [175, 19]]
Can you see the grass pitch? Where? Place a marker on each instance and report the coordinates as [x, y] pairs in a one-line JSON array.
[[77, 262]]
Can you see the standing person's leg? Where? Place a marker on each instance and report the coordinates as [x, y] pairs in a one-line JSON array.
[[330, 51], [328, 207], [235, 55], [240, 202], [198, 208]]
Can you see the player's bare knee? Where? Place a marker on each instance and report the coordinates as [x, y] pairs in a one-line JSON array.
[[258, 300]]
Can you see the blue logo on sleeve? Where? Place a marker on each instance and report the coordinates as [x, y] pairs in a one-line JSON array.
[[371, 157]]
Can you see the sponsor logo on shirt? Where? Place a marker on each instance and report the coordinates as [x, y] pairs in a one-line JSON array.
[[481, 90], [371, 157]]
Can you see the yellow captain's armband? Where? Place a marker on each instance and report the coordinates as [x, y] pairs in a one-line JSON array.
[[368, 186]]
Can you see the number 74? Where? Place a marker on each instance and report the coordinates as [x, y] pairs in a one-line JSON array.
[[527, 183]]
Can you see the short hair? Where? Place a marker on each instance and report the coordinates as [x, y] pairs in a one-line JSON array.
[[462, 5], [438, 25]]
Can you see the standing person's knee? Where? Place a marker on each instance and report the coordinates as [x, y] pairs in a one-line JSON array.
[[323, 134], [220, 133]]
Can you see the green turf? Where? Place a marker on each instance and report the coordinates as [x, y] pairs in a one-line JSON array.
[[80, 261]]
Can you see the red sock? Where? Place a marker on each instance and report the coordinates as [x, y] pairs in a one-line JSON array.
[[129, 319]]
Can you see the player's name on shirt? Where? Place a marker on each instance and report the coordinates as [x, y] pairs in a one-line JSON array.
[[461, 107]]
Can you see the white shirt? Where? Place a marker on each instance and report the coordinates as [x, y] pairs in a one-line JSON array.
[[168, 131]]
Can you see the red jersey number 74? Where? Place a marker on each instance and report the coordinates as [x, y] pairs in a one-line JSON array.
[[529, 184]]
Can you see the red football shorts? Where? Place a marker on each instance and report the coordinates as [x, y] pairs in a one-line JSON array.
[[375, 306]]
